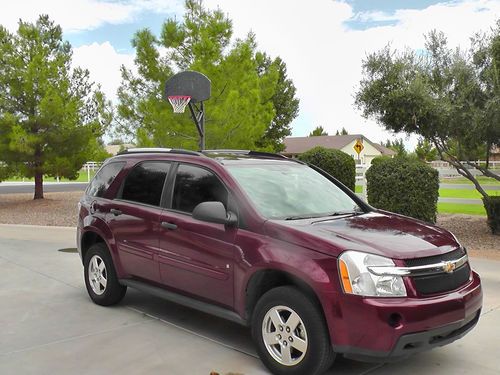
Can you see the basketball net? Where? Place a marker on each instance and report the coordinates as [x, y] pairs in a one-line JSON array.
[[179, 102]]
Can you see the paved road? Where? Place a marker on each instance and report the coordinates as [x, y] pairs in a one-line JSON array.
[[12, 188], [48, 324]]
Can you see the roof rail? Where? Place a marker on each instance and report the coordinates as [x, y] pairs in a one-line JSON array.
[[257, 154], [158, 150]]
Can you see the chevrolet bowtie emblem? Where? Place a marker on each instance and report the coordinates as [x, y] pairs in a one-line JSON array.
[[449, 267]]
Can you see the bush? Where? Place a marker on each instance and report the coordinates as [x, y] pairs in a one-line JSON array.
[[335, 162], [404, 186], [380, 159], [5, 171], [492, 206]]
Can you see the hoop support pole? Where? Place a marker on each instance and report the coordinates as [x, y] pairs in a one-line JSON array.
[[198, 115]]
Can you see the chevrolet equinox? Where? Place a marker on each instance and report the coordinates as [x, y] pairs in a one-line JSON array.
[[280, 246]]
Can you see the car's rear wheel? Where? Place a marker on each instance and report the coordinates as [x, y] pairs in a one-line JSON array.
[[291, 334], [100, 276]]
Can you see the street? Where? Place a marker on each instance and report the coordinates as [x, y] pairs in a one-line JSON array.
[[48, 187]]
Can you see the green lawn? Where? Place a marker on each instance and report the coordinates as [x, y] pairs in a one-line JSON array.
[[466, 194], [82, 177], [453, 208]]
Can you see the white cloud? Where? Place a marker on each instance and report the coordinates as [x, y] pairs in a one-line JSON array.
[[103, 63], [324, 56], [80, 15]]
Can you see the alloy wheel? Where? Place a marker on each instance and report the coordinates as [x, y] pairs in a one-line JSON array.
[[284, 335], [97, 274]]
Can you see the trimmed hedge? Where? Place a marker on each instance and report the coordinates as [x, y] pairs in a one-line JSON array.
[[335, 162], [403, 186], [492, 206], [380, 159]]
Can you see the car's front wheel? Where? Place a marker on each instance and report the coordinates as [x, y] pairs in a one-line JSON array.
[[100, 276], [291, 334]]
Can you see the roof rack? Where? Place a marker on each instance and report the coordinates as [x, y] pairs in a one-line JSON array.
[[146, 150], [257, 154]]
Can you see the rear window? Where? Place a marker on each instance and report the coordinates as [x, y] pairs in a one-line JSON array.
[[144, 184], [103, 179]]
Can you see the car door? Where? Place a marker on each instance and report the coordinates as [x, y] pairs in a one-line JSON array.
[[135, 219], [196, 257]]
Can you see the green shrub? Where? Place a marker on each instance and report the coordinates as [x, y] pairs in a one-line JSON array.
[[404, 186], [335, 162], [492, 206], [380, 159], [5, 171]]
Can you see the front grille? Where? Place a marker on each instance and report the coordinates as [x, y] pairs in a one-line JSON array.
[[442, 282], [452, 255]]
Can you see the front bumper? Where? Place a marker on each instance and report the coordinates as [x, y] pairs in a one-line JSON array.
[[388, 329]]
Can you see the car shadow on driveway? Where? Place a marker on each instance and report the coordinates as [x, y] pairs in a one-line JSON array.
[[223, 332]]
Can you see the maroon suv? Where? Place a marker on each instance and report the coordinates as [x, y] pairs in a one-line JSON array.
[[280, 246]]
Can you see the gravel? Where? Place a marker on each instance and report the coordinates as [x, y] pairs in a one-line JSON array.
[[60, 209], [473, 232], [57, 209]]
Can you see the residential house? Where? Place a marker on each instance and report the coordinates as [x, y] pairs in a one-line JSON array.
[[295, 146]]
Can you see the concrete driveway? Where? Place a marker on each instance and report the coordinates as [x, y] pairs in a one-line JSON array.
[[48, 325]]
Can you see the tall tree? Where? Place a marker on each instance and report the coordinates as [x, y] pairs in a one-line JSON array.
[[243, 106], [425, 151], [397, 145], [51, 117], [318, 130], [448, 96], [286, 105]]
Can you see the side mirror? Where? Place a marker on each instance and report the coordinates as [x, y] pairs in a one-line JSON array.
[[214, 212]]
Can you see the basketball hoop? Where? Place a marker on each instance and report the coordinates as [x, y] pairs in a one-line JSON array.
[[179, 102], [189, 88]]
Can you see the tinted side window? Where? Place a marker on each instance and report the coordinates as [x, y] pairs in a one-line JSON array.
[[103, 179], [194, 185], [144, 183]]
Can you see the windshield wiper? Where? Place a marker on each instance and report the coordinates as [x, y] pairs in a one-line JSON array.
[[355, 211], [298, 217], [346, 212]]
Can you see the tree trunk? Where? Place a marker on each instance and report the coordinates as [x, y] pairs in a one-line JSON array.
[[38, 185], [488, 148]]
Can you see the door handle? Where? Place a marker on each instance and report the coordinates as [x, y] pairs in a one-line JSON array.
[[168, 225], [115, 212]]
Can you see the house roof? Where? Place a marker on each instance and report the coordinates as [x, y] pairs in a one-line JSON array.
[[383, 150], [114, 149], [298, 145]]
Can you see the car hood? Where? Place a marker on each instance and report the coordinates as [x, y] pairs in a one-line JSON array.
[[377, 232]]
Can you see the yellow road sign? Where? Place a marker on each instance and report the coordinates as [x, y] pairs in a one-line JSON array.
[[358, 146]]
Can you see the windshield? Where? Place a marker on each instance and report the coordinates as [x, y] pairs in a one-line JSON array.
[[291, 191]]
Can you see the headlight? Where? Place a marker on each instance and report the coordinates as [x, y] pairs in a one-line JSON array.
[[357, 279]]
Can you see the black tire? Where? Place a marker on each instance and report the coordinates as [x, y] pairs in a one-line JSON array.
[[113, 292], [318, 357]]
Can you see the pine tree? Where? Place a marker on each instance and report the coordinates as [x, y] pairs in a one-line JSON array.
[[51, 117]]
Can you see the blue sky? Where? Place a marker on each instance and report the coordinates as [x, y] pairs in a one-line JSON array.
[[322, 41], [120, 35]]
